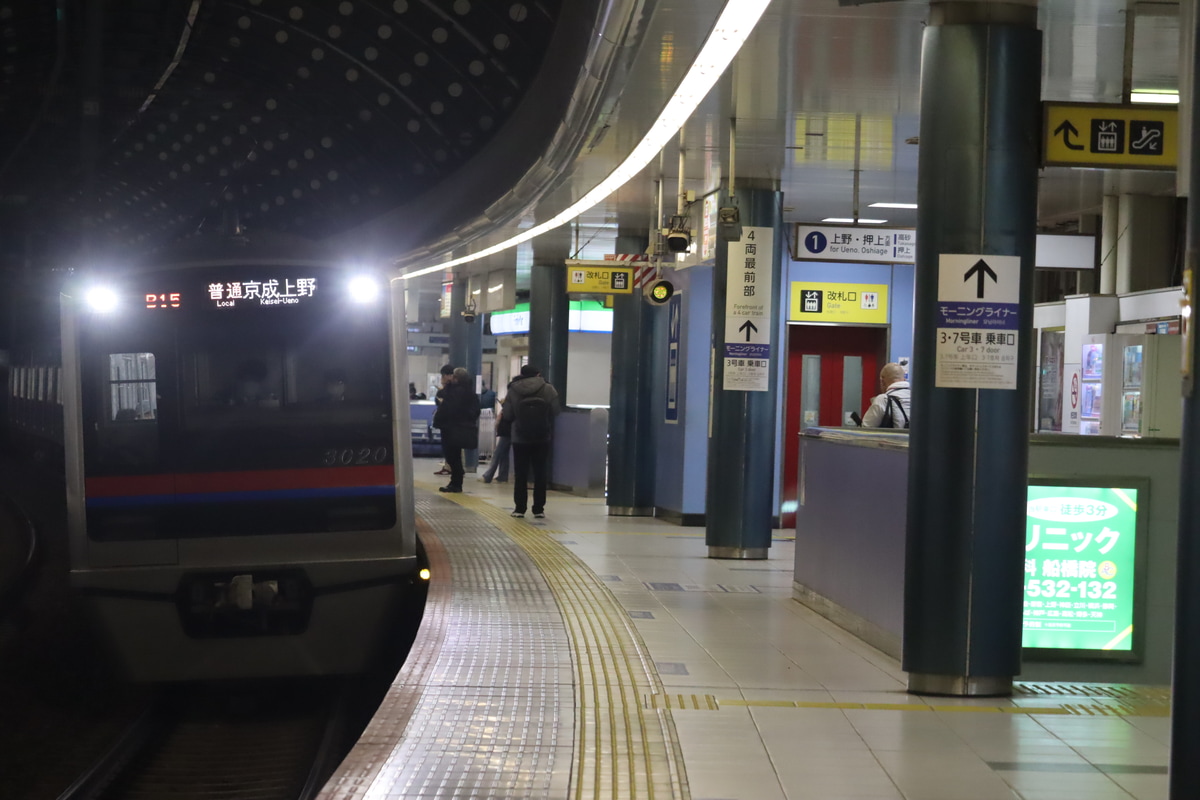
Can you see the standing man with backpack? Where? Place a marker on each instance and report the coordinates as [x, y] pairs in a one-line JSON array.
[[532, 405], [890, 409]]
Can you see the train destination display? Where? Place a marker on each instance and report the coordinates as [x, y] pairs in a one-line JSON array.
[[264, 293], [1080, 558]]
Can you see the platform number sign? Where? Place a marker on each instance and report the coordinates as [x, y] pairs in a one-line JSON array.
[[815, 242]]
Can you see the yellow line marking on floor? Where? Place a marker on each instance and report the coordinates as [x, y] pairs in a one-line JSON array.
[[622, 749], [691, 701], [1068, 709]]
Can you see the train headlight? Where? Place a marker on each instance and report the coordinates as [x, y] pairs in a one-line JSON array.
[[101, 299], [424, 574], [364, 289]]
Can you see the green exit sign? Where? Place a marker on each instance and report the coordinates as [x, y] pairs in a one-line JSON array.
[[1082, 570]]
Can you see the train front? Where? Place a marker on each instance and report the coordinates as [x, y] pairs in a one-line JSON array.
[[239, 497]]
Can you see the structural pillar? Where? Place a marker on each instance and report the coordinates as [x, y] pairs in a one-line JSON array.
[[1184, 778], [1110, 233], [466, 347], [631, 445], [968, 451], [549, 307], [741, 443], [1146, 247]]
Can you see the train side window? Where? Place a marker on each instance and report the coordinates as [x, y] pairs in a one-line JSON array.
[[132, 387]]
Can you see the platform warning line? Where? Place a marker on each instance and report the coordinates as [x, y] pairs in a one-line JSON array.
[[624, 747]]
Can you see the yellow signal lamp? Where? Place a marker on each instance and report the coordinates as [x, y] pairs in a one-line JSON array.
[[659, 292]]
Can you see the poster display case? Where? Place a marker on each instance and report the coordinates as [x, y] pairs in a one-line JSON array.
[[1091, 385], [1085, 551], [1152, 387]]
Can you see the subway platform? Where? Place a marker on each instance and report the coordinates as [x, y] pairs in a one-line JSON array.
[[588, 656]]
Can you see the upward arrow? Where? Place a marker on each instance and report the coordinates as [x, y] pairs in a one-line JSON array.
[[748, 326], [981, 269], [1068, 130]]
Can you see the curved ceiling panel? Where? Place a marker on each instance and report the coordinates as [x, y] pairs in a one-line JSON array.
[[307, 116]]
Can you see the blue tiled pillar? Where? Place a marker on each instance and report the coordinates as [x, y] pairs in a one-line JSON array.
[[968, 452]]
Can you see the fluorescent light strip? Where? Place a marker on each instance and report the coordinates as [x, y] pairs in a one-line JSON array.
[[851, 221], [732, 29], [893, 205], [1164, 98]]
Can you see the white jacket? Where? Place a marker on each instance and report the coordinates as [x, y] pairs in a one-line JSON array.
[[879, 405]]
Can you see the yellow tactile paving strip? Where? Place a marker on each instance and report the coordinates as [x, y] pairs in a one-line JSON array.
[[623, 747]]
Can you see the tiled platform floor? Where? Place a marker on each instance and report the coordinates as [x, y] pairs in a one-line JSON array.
[[770, 701]]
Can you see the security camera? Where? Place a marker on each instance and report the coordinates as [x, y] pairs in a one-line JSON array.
[[468, 316], [729, 224], [678, 241]]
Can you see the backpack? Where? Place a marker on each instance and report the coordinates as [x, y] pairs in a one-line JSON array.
[[533, 419], [888, 420]]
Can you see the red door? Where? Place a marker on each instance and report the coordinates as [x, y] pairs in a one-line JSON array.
[[837, 347]]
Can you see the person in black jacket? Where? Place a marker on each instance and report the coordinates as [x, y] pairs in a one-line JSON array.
[[457, 417], [532, 405]]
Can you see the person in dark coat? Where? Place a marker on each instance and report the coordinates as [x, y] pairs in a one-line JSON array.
[[447, 372], [457, 417], [531, 404]]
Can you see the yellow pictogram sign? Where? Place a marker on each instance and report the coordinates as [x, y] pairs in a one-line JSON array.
[[847, 303], [1114, 136], [594, 277]]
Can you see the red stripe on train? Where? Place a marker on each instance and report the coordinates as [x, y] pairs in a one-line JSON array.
[[248, 481]]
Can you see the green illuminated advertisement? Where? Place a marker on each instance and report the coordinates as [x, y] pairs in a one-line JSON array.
[[1079, 568]]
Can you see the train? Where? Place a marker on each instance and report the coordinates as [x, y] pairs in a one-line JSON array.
[[237, 457]]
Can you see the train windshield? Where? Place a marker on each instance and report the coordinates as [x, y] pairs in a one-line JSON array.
[[244, 377]]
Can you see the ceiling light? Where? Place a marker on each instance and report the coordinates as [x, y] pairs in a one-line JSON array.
[[731, 30], [893, 205], [363, 289], [1160, 97], [102, 299], [851, 221]]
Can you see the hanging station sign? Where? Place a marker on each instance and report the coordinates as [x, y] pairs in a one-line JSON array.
[[845, 303], [747, 351], [1115, 136], [860, 245]]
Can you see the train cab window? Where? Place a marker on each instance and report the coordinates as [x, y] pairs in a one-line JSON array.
[[132, 385]]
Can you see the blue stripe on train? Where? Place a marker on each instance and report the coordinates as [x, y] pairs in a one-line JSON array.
[[233, 497]]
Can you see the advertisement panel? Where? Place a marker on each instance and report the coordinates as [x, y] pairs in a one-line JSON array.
[[1082, 547]]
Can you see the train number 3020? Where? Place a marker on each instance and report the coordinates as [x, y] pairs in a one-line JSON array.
[[354, 456]]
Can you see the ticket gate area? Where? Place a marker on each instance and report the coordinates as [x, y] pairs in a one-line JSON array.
[[832, 372]]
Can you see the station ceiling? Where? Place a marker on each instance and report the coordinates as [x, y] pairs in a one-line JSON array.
[[418, 128]]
